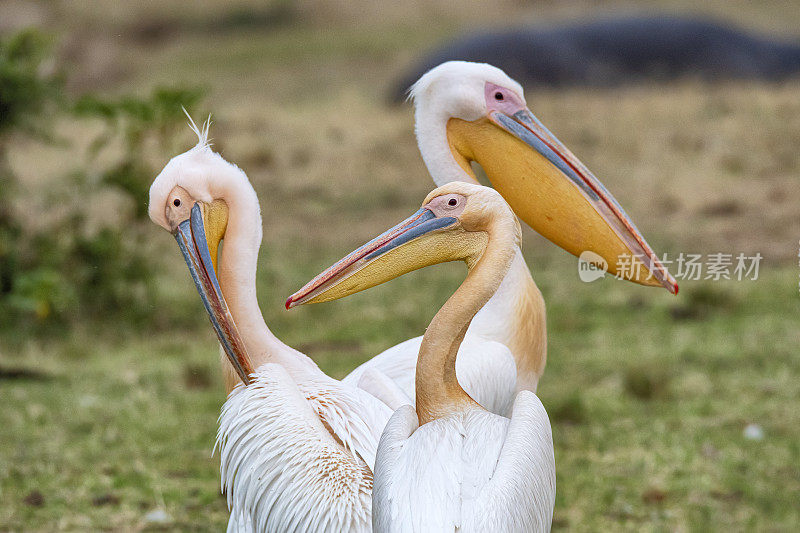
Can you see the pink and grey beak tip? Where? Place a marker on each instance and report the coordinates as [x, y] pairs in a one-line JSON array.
[[190, 236], [422, 222]]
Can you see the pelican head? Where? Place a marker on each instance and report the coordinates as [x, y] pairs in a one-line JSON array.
[[186, 199], [453, 224], [473, 112]]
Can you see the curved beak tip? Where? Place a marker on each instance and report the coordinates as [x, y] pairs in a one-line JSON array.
[[327, 285], [593, 207], [191, 237]]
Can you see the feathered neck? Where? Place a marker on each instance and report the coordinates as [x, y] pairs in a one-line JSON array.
[[515, 315], [238, 262], [438, 391]]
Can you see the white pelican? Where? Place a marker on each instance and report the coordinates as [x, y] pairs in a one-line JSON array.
[[451, 465], [297, 448], [469, 112]]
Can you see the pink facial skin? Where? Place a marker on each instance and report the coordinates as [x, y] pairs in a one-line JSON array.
[[501, 99]]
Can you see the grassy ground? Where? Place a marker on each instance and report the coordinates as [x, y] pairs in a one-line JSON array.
[[649, 394], [649, 398]]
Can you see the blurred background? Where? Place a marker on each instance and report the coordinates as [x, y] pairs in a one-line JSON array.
[[669, 413]]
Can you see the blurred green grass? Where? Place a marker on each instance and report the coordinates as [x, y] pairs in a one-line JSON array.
[[649, 395], [114, 429]]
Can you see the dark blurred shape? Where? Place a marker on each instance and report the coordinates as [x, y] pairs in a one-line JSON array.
[[34, 499], [197, 376], [646, 380], [156, 30], [570, 409], [702, 302], [723, 208], [24, 90], [23, 374], [654, 495], [105, 499], [274, 15], [616, 51]]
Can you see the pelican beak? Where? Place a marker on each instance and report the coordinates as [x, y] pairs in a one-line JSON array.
[[198, 238], [422, 239], [554, 193]]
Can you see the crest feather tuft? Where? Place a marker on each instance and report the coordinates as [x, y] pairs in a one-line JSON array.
[[203, 142]]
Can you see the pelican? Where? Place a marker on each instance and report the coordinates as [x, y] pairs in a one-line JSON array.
[[297, 448], [451, 465], [473, 112]]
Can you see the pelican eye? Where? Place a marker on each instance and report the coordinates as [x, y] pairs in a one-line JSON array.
[[452, 202], [498, 96], [176, 202]]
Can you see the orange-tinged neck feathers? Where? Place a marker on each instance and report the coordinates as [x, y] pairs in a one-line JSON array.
[[438, 391], [528, 333]]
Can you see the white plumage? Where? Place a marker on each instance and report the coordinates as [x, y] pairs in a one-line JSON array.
[[465, 469], [471, 471], [283, 468], [296, 447]]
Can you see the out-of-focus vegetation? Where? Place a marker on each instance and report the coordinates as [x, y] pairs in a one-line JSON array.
[[54, 272], [669, 413], [23, 94]]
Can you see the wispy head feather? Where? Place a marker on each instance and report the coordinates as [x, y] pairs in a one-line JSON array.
[[409, 94], [203, 142]]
